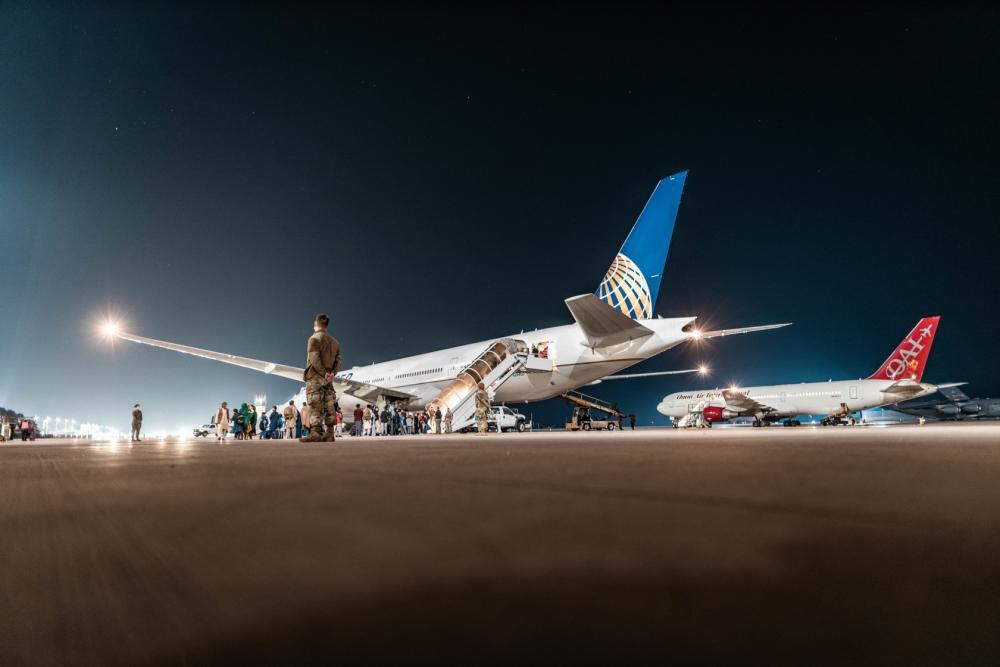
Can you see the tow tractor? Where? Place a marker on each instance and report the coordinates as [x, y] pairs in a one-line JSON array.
[[608, 417]]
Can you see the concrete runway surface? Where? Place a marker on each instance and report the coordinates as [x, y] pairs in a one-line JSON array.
[[807, 546]]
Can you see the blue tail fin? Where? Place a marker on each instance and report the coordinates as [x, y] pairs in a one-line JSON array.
[[633, 279]]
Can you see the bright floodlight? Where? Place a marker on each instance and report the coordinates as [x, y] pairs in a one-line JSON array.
[[110, 329], [695, 333], [703, 369]]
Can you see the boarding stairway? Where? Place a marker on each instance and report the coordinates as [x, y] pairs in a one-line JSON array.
[[497, 364], [592, 402]]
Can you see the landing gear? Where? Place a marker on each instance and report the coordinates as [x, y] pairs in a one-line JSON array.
[[792, 422]]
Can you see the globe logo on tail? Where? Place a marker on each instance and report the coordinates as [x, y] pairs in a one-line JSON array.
[[624, 287]]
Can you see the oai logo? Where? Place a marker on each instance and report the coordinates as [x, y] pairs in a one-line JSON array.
[[625, 288]]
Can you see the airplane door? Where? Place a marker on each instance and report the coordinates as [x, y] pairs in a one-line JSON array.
[[854, 391]]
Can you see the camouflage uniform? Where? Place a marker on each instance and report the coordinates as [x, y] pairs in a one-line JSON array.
[[322, 357], [482, 411], [447, 421], [136, 422]]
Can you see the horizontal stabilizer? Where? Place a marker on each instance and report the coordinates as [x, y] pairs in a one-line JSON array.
[[907, 388], [602, 324], [742, 330]]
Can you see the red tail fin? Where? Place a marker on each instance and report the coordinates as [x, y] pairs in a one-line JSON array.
[[910, 358]]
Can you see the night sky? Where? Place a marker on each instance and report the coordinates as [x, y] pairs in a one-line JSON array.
[[432, 177]]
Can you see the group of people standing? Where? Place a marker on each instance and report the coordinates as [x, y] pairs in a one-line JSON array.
[[370, 420], [244, 423]]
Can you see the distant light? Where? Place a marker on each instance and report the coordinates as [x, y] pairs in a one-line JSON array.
[[696, 333], [703, 369], [110, 329]]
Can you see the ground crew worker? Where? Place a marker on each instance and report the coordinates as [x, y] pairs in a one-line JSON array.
[[447, 421], [322, 362], [136, 423], [482, 410]]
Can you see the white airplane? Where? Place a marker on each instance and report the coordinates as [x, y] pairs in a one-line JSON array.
[[614, 329], [898, 379]]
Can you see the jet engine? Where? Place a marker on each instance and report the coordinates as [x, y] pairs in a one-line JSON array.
[[971, 408], [950, 410], [714, 413]]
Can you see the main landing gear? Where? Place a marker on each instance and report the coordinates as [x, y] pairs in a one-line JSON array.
[[769, 422], [838, 421]]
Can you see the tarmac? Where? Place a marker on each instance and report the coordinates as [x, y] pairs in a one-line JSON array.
[[831, 545]]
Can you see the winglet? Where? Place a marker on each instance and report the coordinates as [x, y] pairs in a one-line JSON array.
[[604, 325]]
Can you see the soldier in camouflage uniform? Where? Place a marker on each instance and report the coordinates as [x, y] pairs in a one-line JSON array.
[[482, 411], [447, 421], [322, 362]]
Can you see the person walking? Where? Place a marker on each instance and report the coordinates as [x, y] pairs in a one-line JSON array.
[[482, 410], [136, 422], [222, 421], [290, 415], [322, 363], [437, 420], [631, 421]]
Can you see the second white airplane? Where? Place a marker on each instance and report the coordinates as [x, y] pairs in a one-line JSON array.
[[898, 379]]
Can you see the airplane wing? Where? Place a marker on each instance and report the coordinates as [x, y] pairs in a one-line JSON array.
[[742, 330], [362, 390], [743, 403], [602, 324]]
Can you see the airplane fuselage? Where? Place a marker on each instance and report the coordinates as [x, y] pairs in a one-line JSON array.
[[574, 363]]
